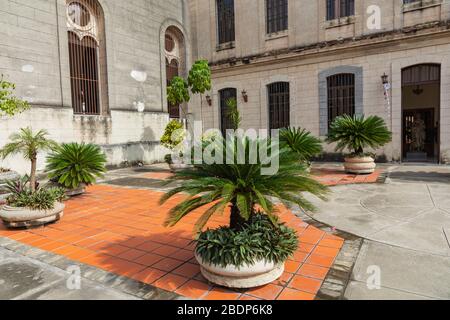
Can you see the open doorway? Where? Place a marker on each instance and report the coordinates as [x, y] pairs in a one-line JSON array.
[[421, 113]]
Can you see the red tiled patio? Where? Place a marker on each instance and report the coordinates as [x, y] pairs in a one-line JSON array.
[[120, 230]]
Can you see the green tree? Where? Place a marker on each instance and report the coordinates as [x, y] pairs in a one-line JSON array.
[[29, 144], [9, 103]]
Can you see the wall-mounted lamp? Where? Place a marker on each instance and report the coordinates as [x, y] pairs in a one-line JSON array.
[[385, 78], [209, 100], [245, 96]]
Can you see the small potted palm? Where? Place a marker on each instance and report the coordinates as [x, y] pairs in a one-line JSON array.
[[356, 134], [302, 143], [74, 166], [29, 204], [252, 249]]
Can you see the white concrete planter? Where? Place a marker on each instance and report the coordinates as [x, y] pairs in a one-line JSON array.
[[258, 274], [77, 191], [174, 167], [14, 217], [360, 165]]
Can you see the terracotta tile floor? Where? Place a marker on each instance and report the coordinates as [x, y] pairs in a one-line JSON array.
[[120, 230], [332, 177]]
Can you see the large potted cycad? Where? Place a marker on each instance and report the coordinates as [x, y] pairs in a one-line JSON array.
[[252, 249], [356, 134], [74, 166], [29, 204]]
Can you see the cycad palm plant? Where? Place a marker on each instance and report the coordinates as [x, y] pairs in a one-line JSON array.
[[243, 186], [72, 164], [302, 142], [358, 132], [29, 144]]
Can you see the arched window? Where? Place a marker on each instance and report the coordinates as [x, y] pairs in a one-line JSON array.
[[279, 105], [341, 95], [87, 57], [225, 95], [174, 53]]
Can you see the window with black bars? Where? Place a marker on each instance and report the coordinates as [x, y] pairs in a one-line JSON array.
[[277, 15], [172, 71], [84, 75], [225, 21], [279, 105], [341, 96], [225, 121], [340, 9]]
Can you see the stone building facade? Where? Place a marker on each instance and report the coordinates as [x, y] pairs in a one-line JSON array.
[[44, 45], [385, 57]]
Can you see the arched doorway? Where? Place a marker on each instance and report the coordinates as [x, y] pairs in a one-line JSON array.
[[421, 86]]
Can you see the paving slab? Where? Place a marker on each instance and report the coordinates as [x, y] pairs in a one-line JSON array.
[[404, 274], [22, 278]]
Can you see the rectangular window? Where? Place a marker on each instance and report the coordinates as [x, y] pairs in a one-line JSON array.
[[277, 15], [340, 9], [225, 21], [341, 96], [279, 105]]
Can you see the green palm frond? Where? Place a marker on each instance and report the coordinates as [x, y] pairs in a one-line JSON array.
[[72, 164], [243, 186], [28, 143], [358, 133], [301, 142]]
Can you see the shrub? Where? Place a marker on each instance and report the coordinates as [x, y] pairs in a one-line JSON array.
[[258, 240], [302, 142], [169, 140], [72, 164], [243, 186], [9, 103], [23, 197], [357, 133]]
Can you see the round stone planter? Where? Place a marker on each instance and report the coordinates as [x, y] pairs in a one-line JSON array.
[[258, 274], [360, 165], [77, 191], [175, 167], [14, 217]]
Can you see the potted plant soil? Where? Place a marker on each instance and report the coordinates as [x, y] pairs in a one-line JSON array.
[[28, 204], [251, 251], [74, 166], [356, 134]]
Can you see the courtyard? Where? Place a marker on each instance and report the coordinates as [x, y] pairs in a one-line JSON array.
[[114, 235]]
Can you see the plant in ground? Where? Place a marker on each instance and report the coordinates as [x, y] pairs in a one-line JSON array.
[[302, 142], [358, 133], [233, 113], [73, 164], [22, 195], [29, 144]]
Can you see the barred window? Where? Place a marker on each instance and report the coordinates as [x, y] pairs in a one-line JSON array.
[[87, 57], [225, 21], [340, 9], [341, 95], [277, 15], [279, 105], [225, 121]]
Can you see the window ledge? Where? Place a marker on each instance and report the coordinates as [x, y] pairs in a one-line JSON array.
[[276, 35], [420, 5], [339, 22], [91, 116], [226, 46]]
